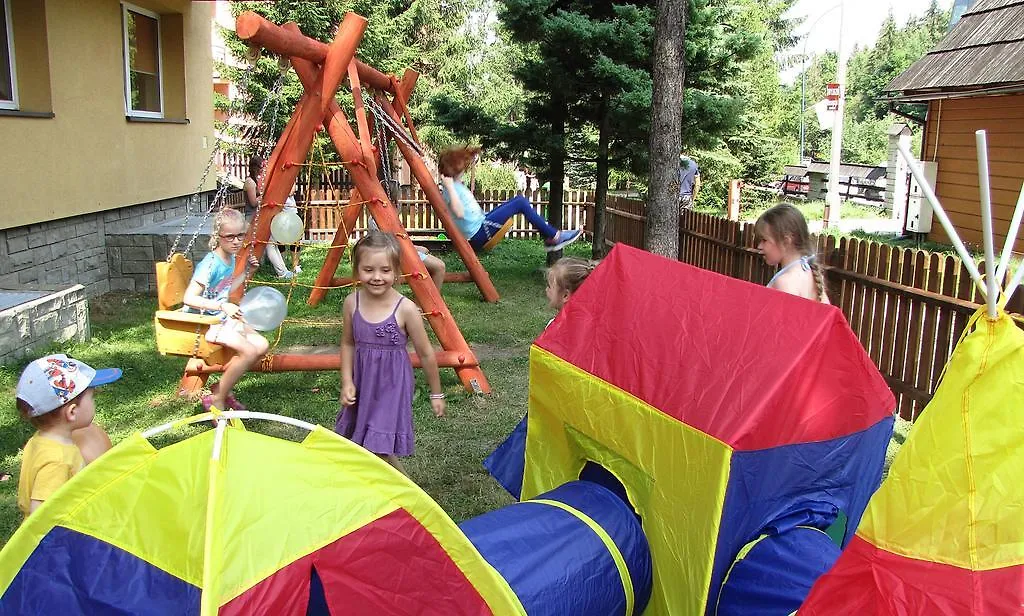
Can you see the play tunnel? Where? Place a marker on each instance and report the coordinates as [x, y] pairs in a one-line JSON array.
[[575, 550]]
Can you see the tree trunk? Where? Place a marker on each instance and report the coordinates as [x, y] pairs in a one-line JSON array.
[[556, 166], [601, 195], [662, 234]]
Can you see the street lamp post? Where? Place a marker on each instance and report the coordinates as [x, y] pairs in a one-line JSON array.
[[832, 200], [803, 77]]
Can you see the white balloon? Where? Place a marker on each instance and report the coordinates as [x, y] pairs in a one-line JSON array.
[[286, 228], [264, 308]]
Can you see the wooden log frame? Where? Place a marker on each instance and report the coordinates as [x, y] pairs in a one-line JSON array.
[[284, 39], [315, 109]]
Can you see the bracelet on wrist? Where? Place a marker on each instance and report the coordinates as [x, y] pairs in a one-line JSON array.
[[439, 396]]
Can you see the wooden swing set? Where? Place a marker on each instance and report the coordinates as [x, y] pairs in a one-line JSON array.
[[321, 68]]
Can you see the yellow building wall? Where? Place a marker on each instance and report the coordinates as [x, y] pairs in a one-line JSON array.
[[89, 158]]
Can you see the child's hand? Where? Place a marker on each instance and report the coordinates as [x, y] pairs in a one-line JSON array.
[[438, 406], [348, 395], [232, 310], [253, 261]]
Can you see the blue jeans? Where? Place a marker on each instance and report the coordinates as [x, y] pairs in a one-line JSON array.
[[496, 218]]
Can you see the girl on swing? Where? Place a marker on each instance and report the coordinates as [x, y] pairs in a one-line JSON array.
[[478, 227], [208, 293]]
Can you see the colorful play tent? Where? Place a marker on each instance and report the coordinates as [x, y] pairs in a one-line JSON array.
[[235, 522], [945, 532], [725, 410]]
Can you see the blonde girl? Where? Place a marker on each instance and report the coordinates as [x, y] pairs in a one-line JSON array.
[[209, 293], [786, 242], [564, 277], [376, 375]]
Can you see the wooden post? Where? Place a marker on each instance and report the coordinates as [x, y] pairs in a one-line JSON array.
[[287, 40], [291, 362], [734, 199], [194, 379]]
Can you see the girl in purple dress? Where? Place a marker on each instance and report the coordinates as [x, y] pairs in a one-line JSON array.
[[376, 374]]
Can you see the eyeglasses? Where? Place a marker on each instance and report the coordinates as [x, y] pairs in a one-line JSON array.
[[236, 237]]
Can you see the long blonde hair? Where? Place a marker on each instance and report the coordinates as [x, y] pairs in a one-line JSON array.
[[568, 273], [378, 240], [784, 223], [225, 215]]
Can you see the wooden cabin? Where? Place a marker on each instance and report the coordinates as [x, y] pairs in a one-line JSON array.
[[973, 79]]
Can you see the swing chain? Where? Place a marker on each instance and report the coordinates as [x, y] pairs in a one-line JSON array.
[[221, 195], [396, 128], [233, 109], [385, 162]]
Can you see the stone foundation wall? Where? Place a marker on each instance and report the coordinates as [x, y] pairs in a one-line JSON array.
[[131, 258], [27, 329], [69, 251]]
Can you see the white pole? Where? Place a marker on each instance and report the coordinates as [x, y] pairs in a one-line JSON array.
[[833, 200], [1017, 278], [940, 213], [1011, 236], [991, 293], [218, 438], [298, 423]]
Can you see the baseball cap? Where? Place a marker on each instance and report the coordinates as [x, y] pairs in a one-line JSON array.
[[50, 382]]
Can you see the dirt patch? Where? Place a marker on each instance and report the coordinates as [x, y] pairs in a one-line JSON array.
[[484, 352], [308, 349]]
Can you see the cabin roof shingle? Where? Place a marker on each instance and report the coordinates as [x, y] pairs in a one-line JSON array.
[[984, 52]]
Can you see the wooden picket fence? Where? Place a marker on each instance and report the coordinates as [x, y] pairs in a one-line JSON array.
[[334, 175], [324, 208], [908, 307]]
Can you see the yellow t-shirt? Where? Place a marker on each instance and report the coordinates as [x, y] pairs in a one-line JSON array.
[[45, 466]]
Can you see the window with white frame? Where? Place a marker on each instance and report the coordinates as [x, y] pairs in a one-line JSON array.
[[143, 94], [8, 78]]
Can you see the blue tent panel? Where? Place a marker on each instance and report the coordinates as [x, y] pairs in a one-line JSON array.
[[775, 576], [555, 563], [837, 475], [507, 463], [119, 582]]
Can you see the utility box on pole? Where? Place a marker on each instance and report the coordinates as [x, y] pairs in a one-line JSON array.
[[919, 211]]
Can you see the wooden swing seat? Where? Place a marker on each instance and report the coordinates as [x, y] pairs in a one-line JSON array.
[[177, 332]]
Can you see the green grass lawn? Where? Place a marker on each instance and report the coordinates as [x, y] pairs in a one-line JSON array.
[[814, 210], [449, 451]]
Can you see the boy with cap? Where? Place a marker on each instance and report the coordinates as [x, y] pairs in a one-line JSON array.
[[55, 395]]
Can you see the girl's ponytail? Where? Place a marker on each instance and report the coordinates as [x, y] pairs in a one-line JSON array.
[[819, 280]]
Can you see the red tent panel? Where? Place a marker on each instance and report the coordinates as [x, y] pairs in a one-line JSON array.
[[869, 580], [392, 565], [761, 369]]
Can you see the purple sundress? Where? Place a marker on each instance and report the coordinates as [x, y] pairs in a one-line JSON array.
[[381, 418]]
